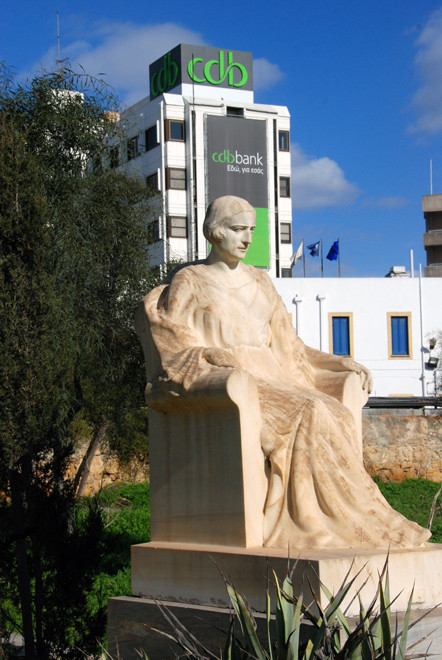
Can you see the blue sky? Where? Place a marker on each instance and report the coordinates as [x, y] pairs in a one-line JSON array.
[[362, 81]]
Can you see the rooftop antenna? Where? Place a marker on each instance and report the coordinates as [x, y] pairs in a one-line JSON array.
[[58, 42], [431, 176]]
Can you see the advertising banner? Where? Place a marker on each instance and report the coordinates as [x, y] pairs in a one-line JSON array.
[[237, 165]]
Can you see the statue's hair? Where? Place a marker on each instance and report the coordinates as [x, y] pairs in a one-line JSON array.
[[218, 212]]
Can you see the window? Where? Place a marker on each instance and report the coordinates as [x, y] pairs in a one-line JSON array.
[[341, 333], [399, 335], [174, 129], [175, 178], [286, 272], [176, 227], [151, 138], [284, 186], [132, 148], [154, 231], [152, 182], [286, 232], [284, 140], [114, 157], [234, 112]]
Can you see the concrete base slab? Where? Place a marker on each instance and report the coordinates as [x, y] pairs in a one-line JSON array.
[[426, 635], [189, 573], [130, 623]]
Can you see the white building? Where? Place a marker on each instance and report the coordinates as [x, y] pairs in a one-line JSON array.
[[200, 135], [384, 323]]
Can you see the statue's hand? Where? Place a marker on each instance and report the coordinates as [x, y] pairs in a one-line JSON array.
[[220, 357], [331, 362], [364, 373]]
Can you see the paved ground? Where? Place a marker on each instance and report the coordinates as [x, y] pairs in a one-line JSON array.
[[431, 625]]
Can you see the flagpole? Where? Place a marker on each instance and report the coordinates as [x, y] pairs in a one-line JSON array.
[[339, 259], [303, 255], [322, 262]]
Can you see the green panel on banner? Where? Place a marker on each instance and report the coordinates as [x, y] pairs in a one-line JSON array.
[[258, 253]]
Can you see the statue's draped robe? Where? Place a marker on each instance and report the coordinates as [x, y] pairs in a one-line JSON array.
[[320, 495]]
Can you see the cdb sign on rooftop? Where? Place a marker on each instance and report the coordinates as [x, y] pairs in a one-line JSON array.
[[201, 65]]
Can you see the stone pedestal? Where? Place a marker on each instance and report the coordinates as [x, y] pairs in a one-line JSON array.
[[188, 577]]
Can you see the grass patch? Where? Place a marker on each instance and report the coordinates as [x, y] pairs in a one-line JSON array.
[[126, 515], [95, 560], [413, 498]]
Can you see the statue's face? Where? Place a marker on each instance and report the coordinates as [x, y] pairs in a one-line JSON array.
[[238, 232]]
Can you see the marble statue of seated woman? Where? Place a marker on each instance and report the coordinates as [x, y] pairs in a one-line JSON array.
[[222, 314]]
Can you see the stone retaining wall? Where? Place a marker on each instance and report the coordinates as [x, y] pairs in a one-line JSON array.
[[106, 470], [403, 444], [398, 445]]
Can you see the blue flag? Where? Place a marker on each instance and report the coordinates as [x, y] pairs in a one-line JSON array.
[[333, 252], [314, 249]]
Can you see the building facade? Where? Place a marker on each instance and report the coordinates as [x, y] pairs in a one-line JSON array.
[[391, 325], [199, 135], [432, 210]]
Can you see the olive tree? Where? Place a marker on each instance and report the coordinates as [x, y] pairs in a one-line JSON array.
[[73, 238]]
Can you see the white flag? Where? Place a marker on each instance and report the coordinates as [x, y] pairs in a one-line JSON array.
[[298, 254]]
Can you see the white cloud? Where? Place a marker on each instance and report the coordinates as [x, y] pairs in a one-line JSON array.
[[123, 51], [265, 74], [427, 102], [386, 202], [319, 182]]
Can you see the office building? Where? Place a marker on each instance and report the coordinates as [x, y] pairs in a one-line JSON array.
[[432, 210], [199, 135]]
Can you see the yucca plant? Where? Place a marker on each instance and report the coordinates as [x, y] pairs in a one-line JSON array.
[[327, 632]]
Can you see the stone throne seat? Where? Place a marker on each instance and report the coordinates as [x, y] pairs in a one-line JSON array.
[[208, 471]]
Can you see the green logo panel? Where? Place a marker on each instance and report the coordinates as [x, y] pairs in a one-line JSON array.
[[258, 253], [201, 65]]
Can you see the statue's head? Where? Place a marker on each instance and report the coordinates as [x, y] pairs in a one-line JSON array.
[[221, 210]]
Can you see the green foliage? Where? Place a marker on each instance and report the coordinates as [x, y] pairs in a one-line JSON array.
[[125, 513], [329, 635], [63, 575], [72, 264], [97, 563], [73, 267]]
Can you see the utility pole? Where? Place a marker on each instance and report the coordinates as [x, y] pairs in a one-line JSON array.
[[58, 42]]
